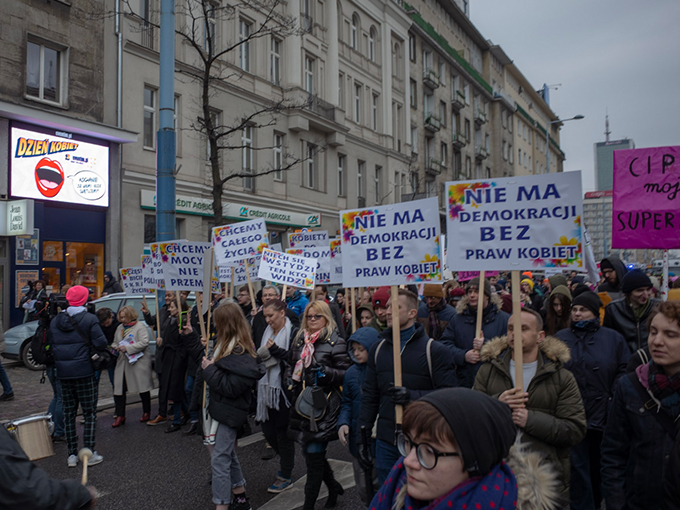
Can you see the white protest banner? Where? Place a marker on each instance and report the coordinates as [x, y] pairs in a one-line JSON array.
[[391, 244], [147, 273], [240, 277], [133, 280], [157, 266], [552, 271], [336, 260], [531, 222], [309, 238], [183, 264], [322, 254], [288, 269], [239, 241]]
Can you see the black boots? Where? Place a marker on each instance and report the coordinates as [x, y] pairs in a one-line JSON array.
[[334, 487], [315, 477]]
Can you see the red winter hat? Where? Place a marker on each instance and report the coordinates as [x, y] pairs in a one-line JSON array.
[[381, 296], [77, 295]]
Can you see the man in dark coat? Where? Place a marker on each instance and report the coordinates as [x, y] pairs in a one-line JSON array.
[[460, 335], [613, 270], [436, 314], [111, 285], [629, 314], [426, 366], [70, 332]]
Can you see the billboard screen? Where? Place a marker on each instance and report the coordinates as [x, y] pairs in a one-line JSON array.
[[57, 168]]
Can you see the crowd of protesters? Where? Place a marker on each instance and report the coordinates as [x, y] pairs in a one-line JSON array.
[[595, 421]]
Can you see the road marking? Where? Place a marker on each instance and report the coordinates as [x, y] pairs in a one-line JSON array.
[[295, 496], [251, 439]]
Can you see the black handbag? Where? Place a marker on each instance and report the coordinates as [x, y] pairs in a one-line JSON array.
[[100, 359], [312, 403]]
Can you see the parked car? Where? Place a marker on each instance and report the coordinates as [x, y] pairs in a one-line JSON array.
[[18, 338]]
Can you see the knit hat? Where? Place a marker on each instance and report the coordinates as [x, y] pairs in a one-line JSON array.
[[77, 295], [109, 275], [605, 264], [381, 296], [482, 426], [590, 300], [458, 292], [577, 279], [561, 289], [528, 274], [633, 280], [475, 283], [433, 290], [529, 282], [579, 289], [557, 280]]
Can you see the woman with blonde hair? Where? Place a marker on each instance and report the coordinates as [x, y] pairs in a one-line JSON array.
[[317, 357], [231, 374], [133, 365]]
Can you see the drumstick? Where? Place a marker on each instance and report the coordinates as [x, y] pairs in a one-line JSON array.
[[84, 455]]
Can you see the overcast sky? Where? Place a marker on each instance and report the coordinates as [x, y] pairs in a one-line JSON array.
[[617, 55]]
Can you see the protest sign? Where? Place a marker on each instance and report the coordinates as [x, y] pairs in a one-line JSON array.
[[157, 266], [515, 223], [132, 279], [240, 277], [183, 264], [305, 239], [288, 269], [391, 244], [644, 208], [147, 273], [322, 254], [464, 276], [336, 260], [239, 241]]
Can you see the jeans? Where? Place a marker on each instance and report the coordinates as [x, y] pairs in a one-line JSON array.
[[56, 408], [275, 431], [4, 380], [189, 390], [385, 457], [98, 374], [226, 469], [178, 408], [585, 491]]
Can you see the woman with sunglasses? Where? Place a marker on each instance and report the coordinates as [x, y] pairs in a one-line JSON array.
[[453, 442], [317, 356]]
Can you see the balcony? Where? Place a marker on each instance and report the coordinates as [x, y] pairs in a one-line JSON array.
[[361, 202], [432, 123], [458, 100], [147, 35], [504, 97], [481, 153], [458, 140], [480, 117], [431, 78], [306, 22], [434, 166], [321, 107]]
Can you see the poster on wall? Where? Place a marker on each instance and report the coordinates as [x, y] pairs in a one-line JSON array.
[[53, 251], [22, 280], [58, 168], [27, 249]]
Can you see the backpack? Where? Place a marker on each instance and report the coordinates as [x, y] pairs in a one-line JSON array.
[[428, 351], [41, 346]]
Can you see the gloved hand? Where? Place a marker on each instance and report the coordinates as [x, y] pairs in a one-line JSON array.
[[365, 457], [400, 396]]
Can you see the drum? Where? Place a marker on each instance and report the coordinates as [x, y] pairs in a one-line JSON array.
[[33, 434]]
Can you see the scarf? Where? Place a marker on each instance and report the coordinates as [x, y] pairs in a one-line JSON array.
[[497, 489], [666, 390], [307, 354], [588, 326], [640, 312], [269, 386], [435, 328]]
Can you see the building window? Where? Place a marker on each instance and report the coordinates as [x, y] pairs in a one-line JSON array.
[[467, 130], [371, 44], [341, 91], [396, 60], [466, 92], [247, 157], [530, 167], [442, 113], [149, 118], [504, 119], [511, 154], [505, 150], [310, 167], [442, 73], [244, 29], [357, 103], [361, 170], [412, 48], [45, 72], [509, 123], [354, 33], [209, 29], [309, 75], [414, 139], [413, 94], [487, 143], [275, 61], [374, 111], [468, 167], [342, 160], [378, 178], [278, 156], [444, 149], [307, 19]]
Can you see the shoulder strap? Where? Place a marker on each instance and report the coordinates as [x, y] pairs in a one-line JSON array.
[[643, 356], [428, 350], [664, 420], [377, 350]]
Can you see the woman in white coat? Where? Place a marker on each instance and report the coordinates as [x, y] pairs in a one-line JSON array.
[[133, 368]]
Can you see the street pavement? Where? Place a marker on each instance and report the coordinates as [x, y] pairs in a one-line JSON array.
[[145, 468]]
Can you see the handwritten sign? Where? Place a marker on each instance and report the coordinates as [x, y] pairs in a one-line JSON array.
[[132, 279], [183, 264], [391, 244], [147, 273], [515, 223], [157, 266], [240, 277], [288, 269], [464, 276], [322, 254], [646, 197], [305, 239], [239, 241], [336, 260]]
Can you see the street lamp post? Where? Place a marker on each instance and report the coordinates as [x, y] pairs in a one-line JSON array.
[[547, 138]]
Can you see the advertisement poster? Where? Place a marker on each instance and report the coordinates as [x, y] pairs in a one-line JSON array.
[[305, 239], [22, 280], [645, 212], [50, 167], [27, 249], [287, 269], [53, 251], [530, 222], [239, 241], [391, 244]]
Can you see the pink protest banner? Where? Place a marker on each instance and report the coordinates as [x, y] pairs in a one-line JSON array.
[[464, 276], [645, 208]]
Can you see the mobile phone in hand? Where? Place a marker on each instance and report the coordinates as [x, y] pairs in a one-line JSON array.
[[183, 319]]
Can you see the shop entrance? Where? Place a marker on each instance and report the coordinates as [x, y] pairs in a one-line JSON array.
[[68, 263]]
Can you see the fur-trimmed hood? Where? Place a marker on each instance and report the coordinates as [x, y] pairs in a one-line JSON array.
[[538, 483], [463, 303], [553, 348]]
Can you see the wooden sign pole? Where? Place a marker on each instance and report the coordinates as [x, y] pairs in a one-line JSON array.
[[396, 349], [480, 304], [233, 278], [517, 330], [179, 305], [284, 291], [199, 301], [158, 317], [250, 288]]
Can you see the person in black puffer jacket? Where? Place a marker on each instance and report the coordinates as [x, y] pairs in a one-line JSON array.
[[317, 349], [231, 375], [111, 285], [74, 368]]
